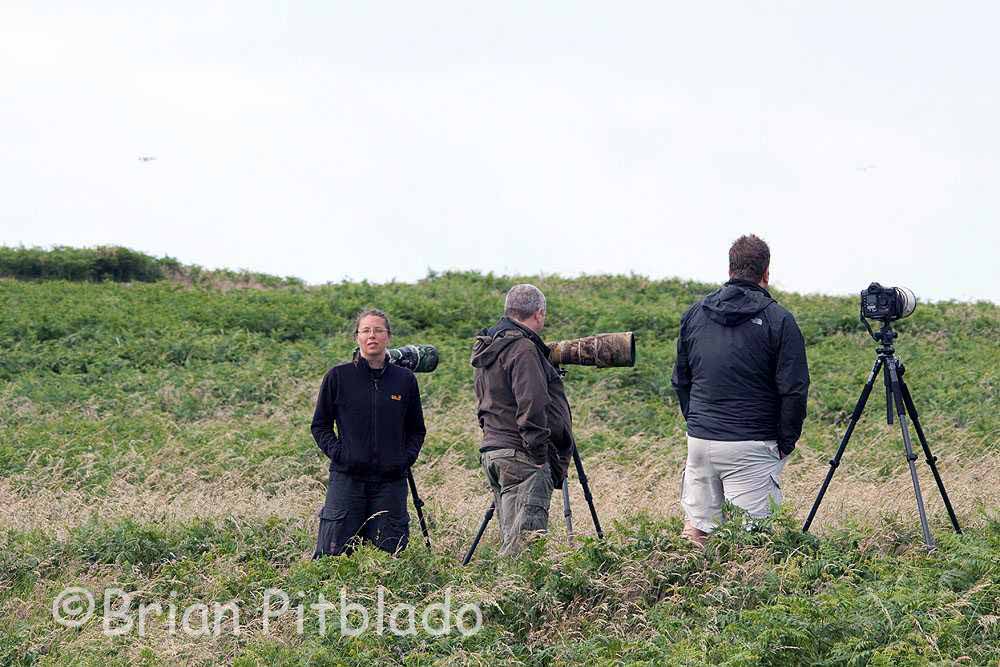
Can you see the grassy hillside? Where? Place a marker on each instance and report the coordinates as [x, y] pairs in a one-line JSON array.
[[154, 437]]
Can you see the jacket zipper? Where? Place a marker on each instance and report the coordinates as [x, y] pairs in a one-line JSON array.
[[375, 450]]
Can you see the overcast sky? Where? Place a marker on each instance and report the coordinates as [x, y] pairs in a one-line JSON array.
[[333, 140]]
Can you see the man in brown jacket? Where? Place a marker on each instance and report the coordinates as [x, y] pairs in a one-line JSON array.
[[524, 415]]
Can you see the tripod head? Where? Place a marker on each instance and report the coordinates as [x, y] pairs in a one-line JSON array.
[[885, 336]]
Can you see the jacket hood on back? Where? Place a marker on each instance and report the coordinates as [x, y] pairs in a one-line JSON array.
[[736, 302], [492, 341]]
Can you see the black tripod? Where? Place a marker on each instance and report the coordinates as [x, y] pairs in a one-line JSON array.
[[418, 505], [896, 393], [567, 512]]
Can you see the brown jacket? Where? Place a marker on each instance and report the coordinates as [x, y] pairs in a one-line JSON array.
[[521, 398]]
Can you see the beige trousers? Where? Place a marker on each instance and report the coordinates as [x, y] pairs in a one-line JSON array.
[[746, 472]]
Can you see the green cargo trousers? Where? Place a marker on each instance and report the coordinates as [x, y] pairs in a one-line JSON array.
[[522, 490]]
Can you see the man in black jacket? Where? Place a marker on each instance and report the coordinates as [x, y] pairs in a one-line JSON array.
[[742, 379], [370, 424]]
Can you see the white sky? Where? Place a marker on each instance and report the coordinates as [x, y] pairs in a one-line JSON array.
[[332, 140]]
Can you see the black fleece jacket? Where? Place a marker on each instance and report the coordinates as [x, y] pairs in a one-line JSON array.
[[741, 370], [369, 422]]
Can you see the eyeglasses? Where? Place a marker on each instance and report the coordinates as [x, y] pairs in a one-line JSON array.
[[378, 331]]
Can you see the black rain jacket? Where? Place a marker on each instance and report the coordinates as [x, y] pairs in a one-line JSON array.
[[369, 424], [741, 370]]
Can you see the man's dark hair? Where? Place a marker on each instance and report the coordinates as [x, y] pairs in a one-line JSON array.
[[749, 258], [372, 311]]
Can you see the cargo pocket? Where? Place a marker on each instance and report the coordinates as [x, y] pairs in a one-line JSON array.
[[335, 531], [689, 502], [513, 468], [328, 514], [776, 496], [534, 516], [508, 453], [536, 494]]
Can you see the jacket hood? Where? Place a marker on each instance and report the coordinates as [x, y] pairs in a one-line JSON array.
[[492, 341], [736, 302]]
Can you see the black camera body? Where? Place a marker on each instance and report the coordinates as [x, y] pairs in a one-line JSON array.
[[887, 303]]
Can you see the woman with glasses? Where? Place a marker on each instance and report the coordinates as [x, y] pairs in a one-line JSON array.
[[369, 423]]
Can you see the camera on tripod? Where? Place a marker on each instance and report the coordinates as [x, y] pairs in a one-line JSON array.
[[887, 303]]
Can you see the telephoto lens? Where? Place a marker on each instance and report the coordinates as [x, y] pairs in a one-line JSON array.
[[610, 350], [906, 300], [418, 358], [887, 303]]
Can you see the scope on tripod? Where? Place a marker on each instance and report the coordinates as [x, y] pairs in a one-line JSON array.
[[887, 303]]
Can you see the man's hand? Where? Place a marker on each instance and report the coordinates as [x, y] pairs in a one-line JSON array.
[[333, 451], [538, 457], [558, 466]]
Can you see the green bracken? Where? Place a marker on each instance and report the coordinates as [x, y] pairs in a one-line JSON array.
[[165, 381]]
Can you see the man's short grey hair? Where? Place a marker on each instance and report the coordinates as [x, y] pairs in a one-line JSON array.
[[523, 301]]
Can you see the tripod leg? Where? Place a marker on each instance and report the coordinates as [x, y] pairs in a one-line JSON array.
[[586, 492], [931, 459], [567, 510], [859, 407], [418, 504], [479, 535], [888, 398], [897, 394]]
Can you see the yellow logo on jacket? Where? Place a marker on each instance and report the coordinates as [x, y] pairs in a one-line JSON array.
[[396, 397]]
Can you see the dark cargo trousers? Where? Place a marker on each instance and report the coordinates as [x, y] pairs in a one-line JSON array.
[[357, 510], [522, 490]]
